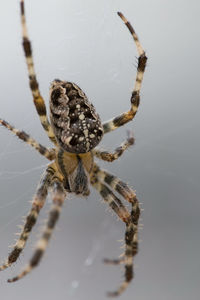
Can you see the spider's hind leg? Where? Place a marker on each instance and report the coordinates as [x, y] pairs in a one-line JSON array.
[[131, 221], [108, 196], [38, 202], [58, 195], [116, 184], [131, 249]]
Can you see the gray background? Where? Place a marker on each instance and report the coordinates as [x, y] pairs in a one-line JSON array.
[[86, 42]]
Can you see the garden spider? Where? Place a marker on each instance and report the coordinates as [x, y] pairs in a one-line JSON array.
[[75, 130]]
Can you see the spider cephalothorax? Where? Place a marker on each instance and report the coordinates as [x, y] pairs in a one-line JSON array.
[[75, 130], [76, 124], [75, 169]]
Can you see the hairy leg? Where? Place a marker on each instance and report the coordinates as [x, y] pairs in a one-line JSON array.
[[58, 196], [115, 183], [131, 249], [34, 86], [135, 98], [48, 153], [107, 156], [38, 202], [109, 197], [131, 220]]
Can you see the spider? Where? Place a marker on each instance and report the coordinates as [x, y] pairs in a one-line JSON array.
[[75, 129]]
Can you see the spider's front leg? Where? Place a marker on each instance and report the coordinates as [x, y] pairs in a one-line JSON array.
[[98, 178], [33, 83], [135, 98], [38, 202]]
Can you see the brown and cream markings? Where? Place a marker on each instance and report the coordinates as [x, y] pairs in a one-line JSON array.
[[75, 129]]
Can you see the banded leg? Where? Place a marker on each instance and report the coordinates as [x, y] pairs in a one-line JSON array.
[[119, 186], [37, 98], [131, 249], [109, 197], [58, 195], [38, 202], [131, 234], [107, 156], [115, 183], [135, 98], [48, 153]]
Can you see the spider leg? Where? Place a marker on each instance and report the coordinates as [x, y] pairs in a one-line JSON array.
[[38, 100], [48, 153], [109, 197], [131, 221], [38, 202], [107, 156], [115, 183], [131, 249], [58, 195], [135, 98]]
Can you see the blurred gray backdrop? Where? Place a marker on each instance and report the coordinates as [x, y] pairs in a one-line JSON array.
[[86, 42]]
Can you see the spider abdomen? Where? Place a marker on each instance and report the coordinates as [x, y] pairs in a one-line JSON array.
[[75, 123]]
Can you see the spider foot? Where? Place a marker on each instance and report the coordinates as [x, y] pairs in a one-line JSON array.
[[128, 264], [21, 275], [119, 291]]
